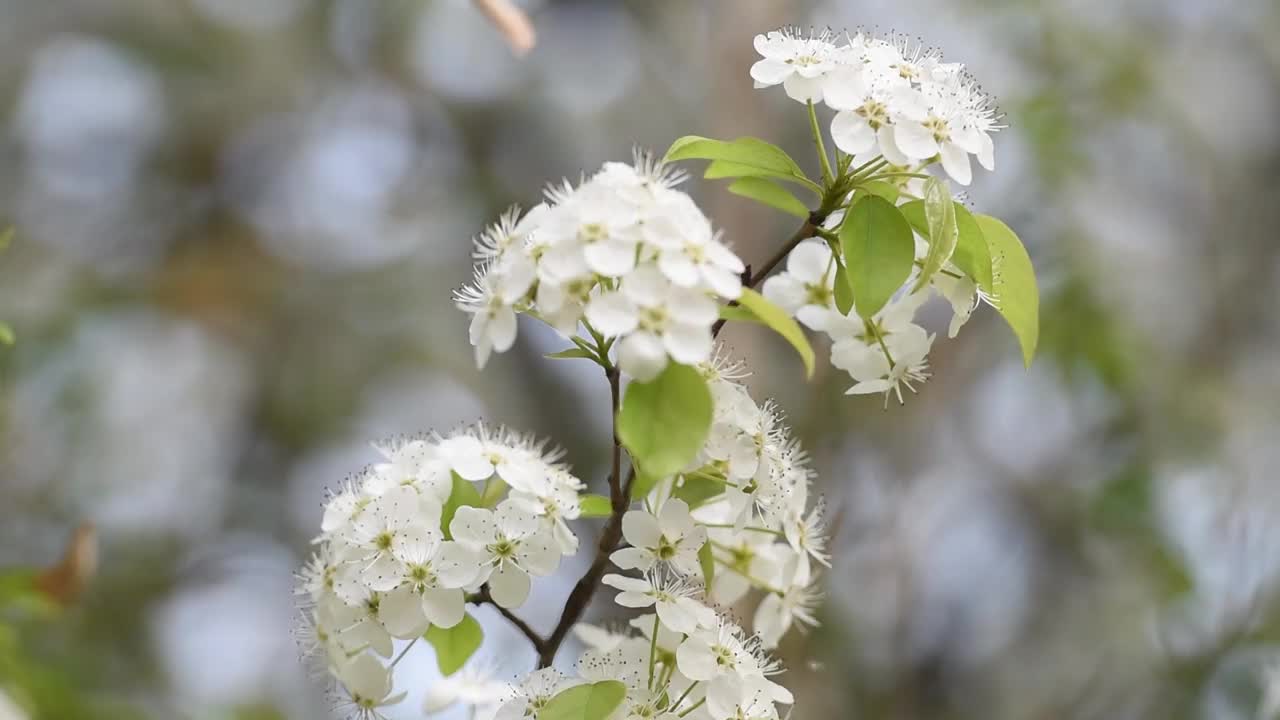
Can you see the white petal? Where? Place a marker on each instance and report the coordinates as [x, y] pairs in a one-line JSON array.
[[987, 153], [770, 71], [810, 261], [642, 356], [844, 88], [612, 314], [457, 565], [515, 522], [612, 257], [851, 133], [474, 527], [678, 616], [688, 344], [647, 286], [444, 608], [363, 675], [915, 140], [401, 613], [674, 519], [509, 586], [803, 89], [633, 559], [641, 529], [502, 329], [539, 554], [889, 146], [786, 291], [956, 162], [678, 267], [696, 659]]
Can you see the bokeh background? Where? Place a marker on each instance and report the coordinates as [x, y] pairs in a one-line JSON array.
[[239, 223]]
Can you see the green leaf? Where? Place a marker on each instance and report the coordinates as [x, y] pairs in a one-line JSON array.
[[746, 151], [1014, 280], [780, 322], [971, 255], [769, 193], [6, 334], [462, 493], [6, 238], [721, 169], [940, 215], [738, 313], [494, 489], [879, 252], [879, 188], [455, 645], [643, 484], [595, 701], [696, 491], [593, 506], [843, 290], [664, 422], [708, 562], [574, 353]]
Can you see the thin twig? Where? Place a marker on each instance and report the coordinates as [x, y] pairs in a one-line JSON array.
[[484, 597]]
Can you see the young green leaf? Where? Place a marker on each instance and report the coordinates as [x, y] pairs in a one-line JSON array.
[[940, 216], [594, 506], [643, 483], [879, 252], [664, 422], [780, 322], [595, 701], [971, 255], [769, 193], [1016, 295], [879, 188], [494, 490], [738, 313], [463, 493], [696, 491], [708, 562], [843, 290], [573, 353], [455, 645], [720, 169], [748, 151]]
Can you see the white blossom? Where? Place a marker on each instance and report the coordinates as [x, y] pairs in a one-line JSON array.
[[511, 546]]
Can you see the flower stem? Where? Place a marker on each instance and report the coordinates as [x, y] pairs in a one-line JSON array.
[[653, 649], [827, 176]]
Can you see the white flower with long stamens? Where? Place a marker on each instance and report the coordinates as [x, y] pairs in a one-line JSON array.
[[805, 535], [555, 504], [430, 586], [796, 602], [387, 530], [799, 63], [670, 597], [655, 319], [671, 538], [732, 697], [886, 353], [805, 290], [368, 684], [491, 303], [511, 546]]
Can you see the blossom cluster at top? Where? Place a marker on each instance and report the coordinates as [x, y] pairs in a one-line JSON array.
[[623, 252], [892, 98], [399, 549]]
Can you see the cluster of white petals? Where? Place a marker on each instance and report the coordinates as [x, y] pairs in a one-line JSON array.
[[624, 254], [892, 97], [405, 540], [882, 354]]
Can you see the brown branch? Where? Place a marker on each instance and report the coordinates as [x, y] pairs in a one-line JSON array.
[[619, 492], [483, 597]]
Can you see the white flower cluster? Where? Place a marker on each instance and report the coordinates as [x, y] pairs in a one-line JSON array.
[[404, 541], [893, 98], [623, 251], [737, 517], [882, 354]]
